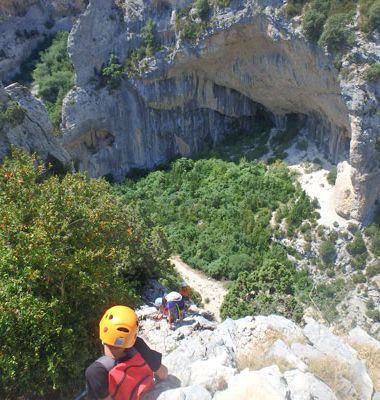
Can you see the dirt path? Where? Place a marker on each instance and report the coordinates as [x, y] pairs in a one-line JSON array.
[[207, 287]]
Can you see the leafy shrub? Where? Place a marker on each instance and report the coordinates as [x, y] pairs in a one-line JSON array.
[[374, 15], [293, 8], [149, 37], [327, 296], [327, 251], [357, 246], [212, 210], [68, 250], [13, 114], [203, 8], [373, 233], [270, 289], [373, 72], [112, 73], [312, 24], [54, 77], [374, 314], [331, 176], [373, 270], [359, 277], [336, 34]]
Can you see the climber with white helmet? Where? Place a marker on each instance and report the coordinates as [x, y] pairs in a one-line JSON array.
[[129, 366]]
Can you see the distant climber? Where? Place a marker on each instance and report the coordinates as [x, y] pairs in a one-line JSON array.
[[171, 306], [129, 366], [185, 291], [175, 307]]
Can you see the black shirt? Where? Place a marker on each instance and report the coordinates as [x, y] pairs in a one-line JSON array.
[[97, 374]]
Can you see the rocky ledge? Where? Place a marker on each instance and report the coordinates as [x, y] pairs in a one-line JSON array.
[[262, 357]]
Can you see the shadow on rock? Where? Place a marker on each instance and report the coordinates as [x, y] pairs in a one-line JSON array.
[[172, 382]]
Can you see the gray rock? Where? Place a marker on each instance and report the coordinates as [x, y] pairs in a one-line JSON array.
[[34, 132], [306, 386], [194, 392]]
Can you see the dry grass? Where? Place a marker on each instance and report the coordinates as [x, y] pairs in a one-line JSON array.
[[254, 357], [330, 370], [372, 358]]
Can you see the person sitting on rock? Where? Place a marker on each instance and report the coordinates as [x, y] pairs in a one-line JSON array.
[[129, 366], [160, 304]]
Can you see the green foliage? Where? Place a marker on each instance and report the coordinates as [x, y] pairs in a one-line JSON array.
[[216, 214], [327, 251], [112, 73], [294, 7], [331, 176], [359, 277], [313, 23], [12, 114], [269, 289], [369, 15], [374, 314], [327, 296], [54, 77], [68, 250], [147, 49], [203, 8], [373, 234], [336, 33], [186, 26], [373, 72], [373, 270], [221, 3], [357, 246]]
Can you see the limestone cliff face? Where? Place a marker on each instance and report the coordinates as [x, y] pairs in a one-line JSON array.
[[24, 24], [248, 65], [32, 132]]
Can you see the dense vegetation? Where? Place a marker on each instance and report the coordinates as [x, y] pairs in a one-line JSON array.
[[217, 216], [68, 250], [327, 21], [54, 77]]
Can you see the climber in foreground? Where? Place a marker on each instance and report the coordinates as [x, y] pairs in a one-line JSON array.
[[129, 366]]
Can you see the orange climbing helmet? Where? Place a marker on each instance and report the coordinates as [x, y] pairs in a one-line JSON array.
[[119, 326]]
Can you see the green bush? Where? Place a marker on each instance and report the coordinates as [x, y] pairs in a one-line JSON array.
[[203, 8], [374, 314], [331, 176], [328, 295], [13, 114], [313, 23], [357, 246], [336, 34], [373, 72], [359, 277], [373, 270], [327, 251], [112, 73], [54, 77], [270, 289], [373, 233], [68, 250]]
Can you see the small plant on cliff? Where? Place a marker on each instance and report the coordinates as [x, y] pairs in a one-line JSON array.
[[357, 246], [12, 114], [54, 77], [331, 176], [336, 34], [373, 72], [112, 73], [203, 8]]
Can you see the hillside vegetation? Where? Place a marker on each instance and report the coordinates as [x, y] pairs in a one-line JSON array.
[[68, 250], [217, 216]]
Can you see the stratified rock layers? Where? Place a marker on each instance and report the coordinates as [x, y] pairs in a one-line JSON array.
[[248, 65]]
